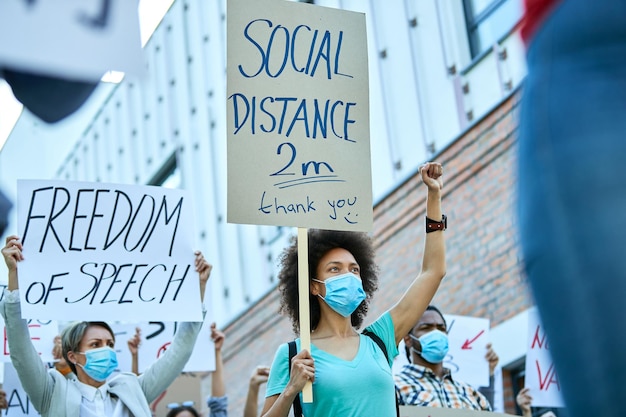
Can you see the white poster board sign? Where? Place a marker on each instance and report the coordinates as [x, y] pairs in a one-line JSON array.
[[109, 252], [156, 336], [468, 338], [18, 401], [541, 376], [75, 39], [298, 116], [409, 411], [42, 334]]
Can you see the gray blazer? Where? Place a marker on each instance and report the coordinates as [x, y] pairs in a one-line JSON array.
[[55, 396]]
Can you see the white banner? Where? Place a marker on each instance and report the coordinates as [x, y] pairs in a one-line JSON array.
[[96, 251]]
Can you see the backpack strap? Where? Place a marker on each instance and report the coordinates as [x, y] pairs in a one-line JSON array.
[[378, 341], [382, 347], [297, 407]]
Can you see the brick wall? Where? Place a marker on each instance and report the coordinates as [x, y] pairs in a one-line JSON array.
[[483, 276]]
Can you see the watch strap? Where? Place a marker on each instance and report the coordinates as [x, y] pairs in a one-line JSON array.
[[433, 225]]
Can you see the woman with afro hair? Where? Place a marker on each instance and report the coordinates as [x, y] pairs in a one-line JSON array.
[[349, 371]]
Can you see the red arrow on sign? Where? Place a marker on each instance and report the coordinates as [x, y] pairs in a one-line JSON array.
[[468, 342]]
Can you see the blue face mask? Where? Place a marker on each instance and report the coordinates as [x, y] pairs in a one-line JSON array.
[[434, 346], [344, 293], [100, 364]]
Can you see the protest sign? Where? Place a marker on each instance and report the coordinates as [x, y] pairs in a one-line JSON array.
[[109, 252], [72, 38], [298, 116], [541, 377], [18, 401], [42, 334], [156, 337], [468, 338]]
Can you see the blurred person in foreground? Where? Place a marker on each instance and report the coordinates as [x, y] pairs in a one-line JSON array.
[[572, 193]]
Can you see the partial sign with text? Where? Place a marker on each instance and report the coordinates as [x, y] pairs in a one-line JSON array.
[[42, 334], [541, 376], [156, 338]]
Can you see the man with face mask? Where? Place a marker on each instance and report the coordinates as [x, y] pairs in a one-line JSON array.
[[425, 381]]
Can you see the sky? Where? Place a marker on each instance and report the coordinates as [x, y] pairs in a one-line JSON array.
[[150, 14]]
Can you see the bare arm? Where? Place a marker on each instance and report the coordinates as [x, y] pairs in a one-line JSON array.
[[258, 378], [163, 372], [421, 291], [203, 268], [217, 379], [133, 347]]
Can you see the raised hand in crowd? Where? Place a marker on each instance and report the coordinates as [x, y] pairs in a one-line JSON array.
[[258, 378], [217, 381], [524, 401], [133, 347], [218, 401], [492, 359]]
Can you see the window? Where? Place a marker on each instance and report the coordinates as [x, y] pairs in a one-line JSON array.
[[489, 20], [169, 176]]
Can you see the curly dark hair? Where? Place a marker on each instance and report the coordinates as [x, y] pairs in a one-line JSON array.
[[360, 245], [176, 411]]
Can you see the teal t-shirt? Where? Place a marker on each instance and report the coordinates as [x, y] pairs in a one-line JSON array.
[[363, 386]]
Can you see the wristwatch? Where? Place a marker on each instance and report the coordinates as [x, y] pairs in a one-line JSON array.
[[433, 226]]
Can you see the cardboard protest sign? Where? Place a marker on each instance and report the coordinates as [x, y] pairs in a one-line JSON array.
[[156, 336], [42, 334], [72, 38], [408, 411], [99, 251], [18, 401], [468, 338], [298, 116], [541, 377]]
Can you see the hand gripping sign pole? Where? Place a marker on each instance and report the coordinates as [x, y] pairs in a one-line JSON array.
[[303, 299]]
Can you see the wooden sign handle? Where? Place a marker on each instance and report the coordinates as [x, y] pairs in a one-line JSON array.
[[303, 299]]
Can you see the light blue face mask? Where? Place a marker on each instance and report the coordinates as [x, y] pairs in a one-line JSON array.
[[434, 346], [100, 364], [344, 293]]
